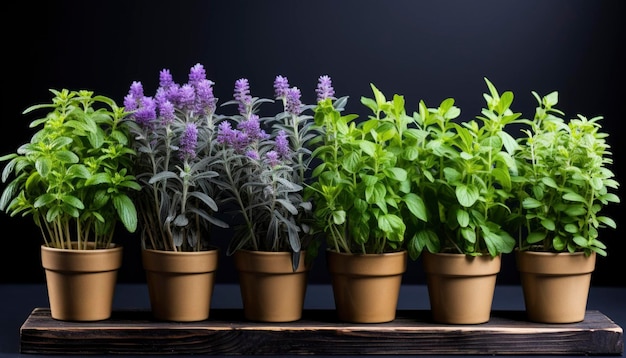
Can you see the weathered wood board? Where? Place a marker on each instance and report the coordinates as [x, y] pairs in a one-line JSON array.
[[226, 332]]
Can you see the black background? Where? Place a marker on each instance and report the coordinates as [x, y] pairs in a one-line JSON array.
[[422, 49]]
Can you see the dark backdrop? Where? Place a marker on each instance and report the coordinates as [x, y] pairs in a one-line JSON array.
[[427, 50]]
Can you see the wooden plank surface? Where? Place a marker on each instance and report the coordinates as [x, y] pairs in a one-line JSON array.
[[227, 332]]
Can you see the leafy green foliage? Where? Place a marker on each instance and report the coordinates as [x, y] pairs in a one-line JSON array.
[[74, 176], [362, 192], [466, 184], [564, 181]]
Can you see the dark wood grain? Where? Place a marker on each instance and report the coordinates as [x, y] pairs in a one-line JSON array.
[[226, 332]]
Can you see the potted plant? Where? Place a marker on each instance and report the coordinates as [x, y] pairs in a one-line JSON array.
[[466, 182], [262, 169], [175, 134], [564, 183], [74, 179], [362, 196]]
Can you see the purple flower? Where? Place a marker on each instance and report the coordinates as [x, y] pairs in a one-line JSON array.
[[130, 103], [165, 78], [166, 112], [324, 88], [145, 115], [282, 144], [187, 97], [205, 100], [134, 96], [252, 128], [171, 93], [189, 141], [196, 74], [272, 158], [252, 154], [225, 133], [281, 85], [136, 90], [294, 106], [242, 95]]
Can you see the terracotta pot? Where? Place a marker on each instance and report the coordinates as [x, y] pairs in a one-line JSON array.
[[180, 284], [555, 285], [460, 287], [270, 290], [366, 287], [81, 283]]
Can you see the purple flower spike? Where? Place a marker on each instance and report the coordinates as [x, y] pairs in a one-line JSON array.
[[189, 141], [294, 106], [146, 112], [252, 154], [242, 95], [166, 112], [136, 90], [187, 97], [281, 85], [272, 158], [165, 78], [197, 74], [225, 133], [282, 144], [205, 100], [324, 88]]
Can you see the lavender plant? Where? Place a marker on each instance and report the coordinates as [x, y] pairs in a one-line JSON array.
[[263, 167], [74, 176], [175, 138]]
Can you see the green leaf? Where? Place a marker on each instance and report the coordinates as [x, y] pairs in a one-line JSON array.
[[126, 211], [531, 203], [44, 200], [550, 182], [391, 223], [416, 206], [380, 97], [368, 147], [571, 196], [462, 217], [510, 144], [607, 221], [99, 178], [43, 165], [72, 201], [535, 237], [503, 177], [369, 103], [548, 224], [339, 217], [395, 173], [467, 195]]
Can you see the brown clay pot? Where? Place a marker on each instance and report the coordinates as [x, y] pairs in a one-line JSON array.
[[81, 283], [180, 284], [271, 290], [366, 287], [460, 287], [555, 285]]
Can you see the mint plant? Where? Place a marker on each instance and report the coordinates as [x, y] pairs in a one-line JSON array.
[[362, 187], [565, 181], [75, 175], [467, 170]]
